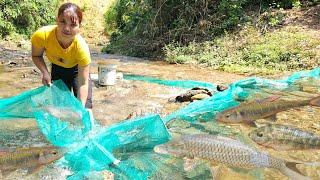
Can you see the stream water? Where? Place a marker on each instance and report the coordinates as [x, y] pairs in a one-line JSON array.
[[113, 104]]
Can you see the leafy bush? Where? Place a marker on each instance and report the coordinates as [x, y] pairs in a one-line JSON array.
[[25, 16], [144, 27], [160, 22], [270, 20]]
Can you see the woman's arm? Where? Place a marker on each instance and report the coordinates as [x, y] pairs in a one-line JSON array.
[[37, 58], [83, 83]]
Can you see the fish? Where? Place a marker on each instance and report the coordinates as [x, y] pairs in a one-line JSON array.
[[64, 114], [228, 151], [248, 112], [283, 137], [31, 158]]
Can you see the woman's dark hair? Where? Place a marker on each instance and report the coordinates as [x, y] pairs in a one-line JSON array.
[[74, 7]]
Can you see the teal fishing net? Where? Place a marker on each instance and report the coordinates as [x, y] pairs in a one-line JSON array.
[[88, 148], [205, 110], [188, 84], [126, 148], [138, 135]]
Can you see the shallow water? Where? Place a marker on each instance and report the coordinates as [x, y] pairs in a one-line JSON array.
[[24, 133], [1, 69], [240, 132], [17, 133], [114, 104]]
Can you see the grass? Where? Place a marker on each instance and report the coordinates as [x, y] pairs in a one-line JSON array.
[[290, 48]]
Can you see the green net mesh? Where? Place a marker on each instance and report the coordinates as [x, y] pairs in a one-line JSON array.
[[138, 135], [91, 148], [251, 88], [172, 83], [11, 107]]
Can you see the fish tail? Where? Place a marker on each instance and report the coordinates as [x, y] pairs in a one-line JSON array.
[[315, 101], [291, 171]]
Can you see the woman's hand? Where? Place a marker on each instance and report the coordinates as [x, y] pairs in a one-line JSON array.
[[46, 79], [37, 58]]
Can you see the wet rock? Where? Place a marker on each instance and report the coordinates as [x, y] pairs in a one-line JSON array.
[[199, 97], [12, 64], [221, 87], [25, 75], [193, 94]]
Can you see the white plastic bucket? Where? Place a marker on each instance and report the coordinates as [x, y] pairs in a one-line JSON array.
[[107, 74]]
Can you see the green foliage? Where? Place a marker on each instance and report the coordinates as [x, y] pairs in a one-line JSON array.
[[125, 21], [24, 17], [163, 21], [270, 20], [144, 27], [110, 19], [211, 33], [285, 49]]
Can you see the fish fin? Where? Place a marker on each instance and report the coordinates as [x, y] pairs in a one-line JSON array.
[[272, 118], [216, 172], [268, 99], [189, 164], [225, 138], [315, 101], [292, 172], [296, 161], [293, 166]]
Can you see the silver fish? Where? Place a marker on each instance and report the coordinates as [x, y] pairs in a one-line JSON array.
[[282, 137], [227, 151], [31, 158], [64, 114], [248, 112]]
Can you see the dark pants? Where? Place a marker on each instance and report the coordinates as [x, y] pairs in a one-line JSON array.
[[70, 77]]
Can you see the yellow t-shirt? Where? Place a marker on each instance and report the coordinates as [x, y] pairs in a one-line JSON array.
[[77, 53]]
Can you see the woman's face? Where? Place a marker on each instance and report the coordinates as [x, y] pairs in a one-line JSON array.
[[68, 24]]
